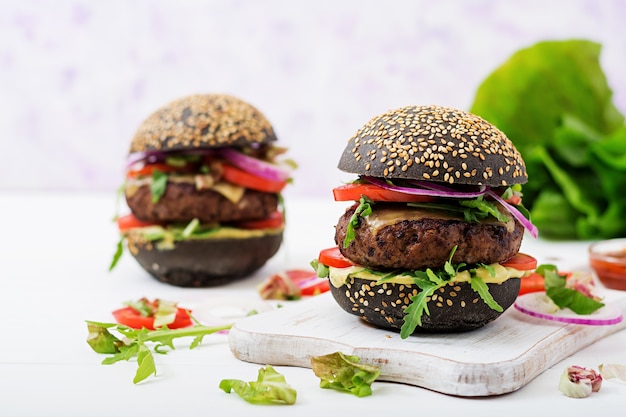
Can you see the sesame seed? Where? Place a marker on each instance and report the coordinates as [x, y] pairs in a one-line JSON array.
[[415, 137]]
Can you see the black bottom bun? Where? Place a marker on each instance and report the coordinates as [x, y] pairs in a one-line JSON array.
[[205, 262], [455, 307]]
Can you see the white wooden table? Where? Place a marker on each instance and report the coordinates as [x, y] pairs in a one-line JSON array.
[[54, 252]]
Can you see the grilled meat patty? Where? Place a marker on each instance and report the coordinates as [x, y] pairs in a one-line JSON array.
[[182, 202], [420, 242]]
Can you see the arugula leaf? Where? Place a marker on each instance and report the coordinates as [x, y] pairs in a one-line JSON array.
[[560, 116], [135, 343], [419, 306], [482, 289], [485, 207], [146, 365], [101, 340], [574, 300], [322, 270], [364, 209], [473, 210], [119, 251], [158, 185], [269, 388], [344, 373], [564, 297]]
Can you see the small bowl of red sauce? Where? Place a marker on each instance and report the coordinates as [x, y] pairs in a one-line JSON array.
[[608, 259]]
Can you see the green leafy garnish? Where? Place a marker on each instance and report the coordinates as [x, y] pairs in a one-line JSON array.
[[472, 210], [560, 116], [269, 388], [364, 209], [564, 297], [344, 373], [484, 208], [119, 250], [158, 185], [321, 269], [428, 281], [136, 343]]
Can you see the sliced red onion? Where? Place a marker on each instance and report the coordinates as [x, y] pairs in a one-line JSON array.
[[149, 157], [532, 303], [157, 156], [430, 191], [531, 228], [254, 166], [438, 190]]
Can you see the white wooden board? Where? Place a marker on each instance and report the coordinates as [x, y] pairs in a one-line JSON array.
[[499, 358]]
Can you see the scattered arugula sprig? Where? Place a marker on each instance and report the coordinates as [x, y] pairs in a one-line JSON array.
[[136, 343], [270, 388], [345, 373], [564, 297]]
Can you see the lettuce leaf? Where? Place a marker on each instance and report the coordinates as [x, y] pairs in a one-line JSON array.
[[345, 373], [270, 388], [553, 101]]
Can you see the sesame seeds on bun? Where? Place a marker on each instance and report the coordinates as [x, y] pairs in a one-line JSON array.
[[202, 120], [434, 143]]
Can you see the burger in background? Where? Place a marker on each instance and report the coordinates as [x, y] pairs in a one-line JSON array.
[[432, 239], [203, 184]]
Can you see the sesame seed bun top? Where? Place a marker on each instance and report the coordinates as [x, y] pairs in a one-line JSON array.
[[202, 120], [434, 143]]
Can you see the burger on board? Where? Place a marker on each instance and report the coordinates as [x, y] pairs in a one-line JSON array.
[[432, 239], [203, 186]]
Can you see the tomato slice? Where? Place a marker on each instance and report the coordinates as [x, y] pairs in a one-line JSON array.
[[148, 169], [129, 221], [353, 192], [245, 179], [333, 257], [308, 281], [130, 317], [275, 220], [521, 261]]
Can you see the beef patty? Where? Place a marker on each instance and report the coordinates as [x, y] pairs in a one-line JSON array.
[[428, 241], [182, 202]]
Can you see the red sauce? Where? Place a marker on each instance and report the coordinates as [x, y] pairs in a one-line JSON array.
[[611, 269]]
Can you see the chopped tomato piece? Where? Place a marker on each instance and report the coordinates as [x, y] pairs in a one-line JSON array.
[[333, 257], [516, 200], [531, 283], [245, 179], [130, 317], [129, 221], [353, 192], [308, 281], [535, 282], [275, 220], [521, 261]]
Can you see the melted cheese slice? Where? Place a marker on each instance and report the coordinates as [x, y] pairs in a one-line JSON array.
[[232, 192], [387, 216]]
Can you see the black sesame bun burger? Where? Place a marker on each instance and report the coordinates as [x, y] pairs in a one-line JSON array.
[[203, 187], [431, 242]]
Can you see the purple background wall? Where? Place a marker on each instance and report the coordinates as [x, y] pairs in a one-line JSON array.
[[77, 77]]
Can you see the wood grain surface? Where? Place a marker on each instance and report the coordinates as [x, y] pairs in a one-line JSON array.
[[499, 358]]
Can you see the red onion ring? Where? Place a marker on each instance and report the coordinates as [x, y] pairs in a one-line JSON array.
[[430, 191], [254, 166], [531, 228], [605, 316]]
